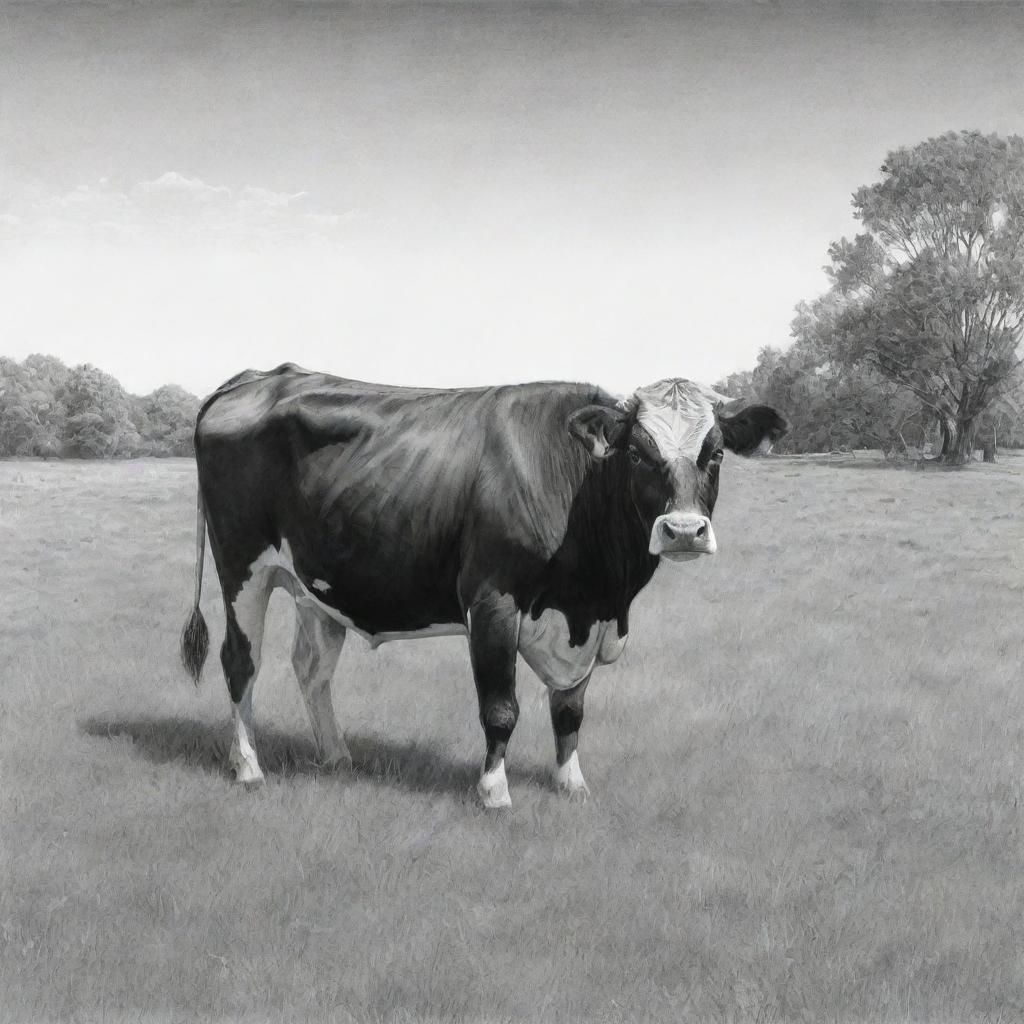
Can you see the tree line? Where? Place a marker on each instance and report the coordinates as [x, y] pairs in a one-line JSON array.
[[915, 343], [917, 339], [52, 410]]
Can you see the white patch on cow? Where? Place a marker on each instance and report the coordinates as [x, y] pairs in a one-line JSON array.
[[242, 757], [322, 585], [250, 607], [282, 560], [544, 644], [250, 610], [271, 558], [569, 777], [612, 645], [677, 414], [765, 447], [441, 629], [493, 788]]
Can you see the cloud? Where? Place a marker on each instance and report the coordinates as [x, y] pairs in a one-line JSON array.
[[172, 206]]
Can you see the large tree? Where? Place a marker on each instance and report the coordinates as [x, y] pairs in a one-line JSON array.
[[97, 425], [931, 294]]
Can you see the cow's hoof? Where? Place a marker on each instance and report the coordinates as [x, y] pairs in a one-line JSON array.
[[336, 763], [493, 789], [492, 800], [249, 776], [570, 781]]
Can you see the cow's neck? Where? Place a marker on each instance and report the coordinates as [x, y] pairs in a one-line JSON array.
[[621, 538], [603, 561]]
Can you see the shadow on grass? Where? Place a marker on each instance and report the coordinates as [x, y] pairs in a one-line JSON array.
[[410, 765]]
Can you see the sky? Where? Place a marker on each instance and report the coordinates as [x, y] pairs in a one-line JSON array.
[[458, 193]]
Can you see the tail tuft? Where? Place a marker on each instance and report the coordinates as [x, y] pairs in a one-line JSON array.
[[195, 644], [195, 637]]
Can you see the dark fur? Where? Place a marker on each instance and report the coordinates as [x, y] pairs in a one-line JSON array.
[[566, 718], [744, 431], [195, 644], [236, 657]]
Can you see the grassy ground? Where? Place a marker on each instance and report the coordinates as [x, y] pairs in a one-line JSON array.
[[806, 771]]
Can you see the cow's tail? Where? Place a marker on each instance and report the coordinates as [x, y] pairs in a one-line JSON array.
[[195, 637]]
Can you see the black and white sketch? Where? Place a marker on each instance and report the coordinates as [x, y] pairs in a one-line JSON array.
[[661, 356], [525, 518]]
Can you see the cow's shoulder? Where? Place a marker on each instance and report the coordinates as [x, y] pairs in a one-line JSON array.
[[536, 415]]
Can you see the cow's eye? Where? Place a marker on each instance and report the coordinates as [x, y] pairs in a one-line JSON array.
[[716, 457], [634, 456]]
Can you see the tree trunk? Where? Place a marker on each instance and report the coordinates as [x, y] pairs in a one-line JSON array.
[[958, 442], [988, 447], [946, 426]]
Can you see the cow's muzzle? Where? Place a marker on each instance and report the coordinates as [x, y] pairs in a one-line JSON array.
[[682, 535]]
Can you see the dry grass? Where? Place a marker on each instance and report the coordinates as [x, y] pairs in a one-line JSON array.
[[806, 774]]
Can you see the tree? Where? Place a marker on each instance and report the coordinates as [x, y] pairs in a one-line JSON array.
[[165, 420], [1002, 425], [47, 408], [829, 405], [97, 424], [31, 417], [931, 295]]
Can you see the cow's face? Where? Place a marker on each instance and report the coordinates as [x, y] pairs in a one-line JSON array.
[[673, 436]]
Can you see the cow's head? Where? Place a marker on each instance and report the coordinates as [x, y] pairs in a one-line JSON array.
[[672, 435]]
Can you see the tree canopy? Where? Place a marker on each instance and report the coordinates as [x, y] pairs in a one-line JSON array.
[[931, 295], [49, 409], [924, 317]]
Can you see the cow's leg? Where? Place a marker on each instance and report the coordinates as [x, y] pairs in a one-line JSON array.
[[493, 639], [240, 656], [318, 643], [566, 718]]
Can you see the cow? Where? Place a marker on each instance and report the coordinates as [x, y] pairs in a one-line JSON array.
[[524, 517]]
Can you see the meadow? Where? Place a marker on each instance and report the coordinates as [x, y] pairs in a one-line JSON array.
[[805, 775]]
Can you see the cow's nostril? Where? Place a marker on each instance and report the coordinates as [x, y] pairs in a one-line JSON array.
[[702, 530], [668, 531]]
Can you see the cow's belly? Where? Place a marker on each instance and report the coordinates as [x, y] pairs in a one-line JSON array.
[[310, 597], [544, 644]]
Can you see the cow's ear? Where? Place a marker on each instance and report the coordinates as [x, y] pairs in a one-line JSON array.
[[598, 427], [754, 429]]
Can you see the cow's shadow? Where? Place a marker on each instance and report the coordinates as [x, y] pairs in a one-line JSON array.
[[203, 746]]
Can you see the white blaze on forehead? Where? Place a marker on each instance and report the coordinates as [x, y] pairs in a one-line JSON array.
[[678, 414]]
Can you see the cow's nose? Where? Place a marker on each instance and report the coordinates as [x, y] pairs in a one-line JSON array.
[[682, 533], [677, 532]]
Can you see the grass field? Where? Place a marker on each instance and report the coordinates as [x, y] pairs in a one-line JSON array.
[[806, 771]]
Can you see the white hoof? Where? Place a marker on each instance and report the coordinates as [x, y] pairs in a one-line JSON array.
[[569, 779], [247, 770], [249, 778], [493, 788]]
